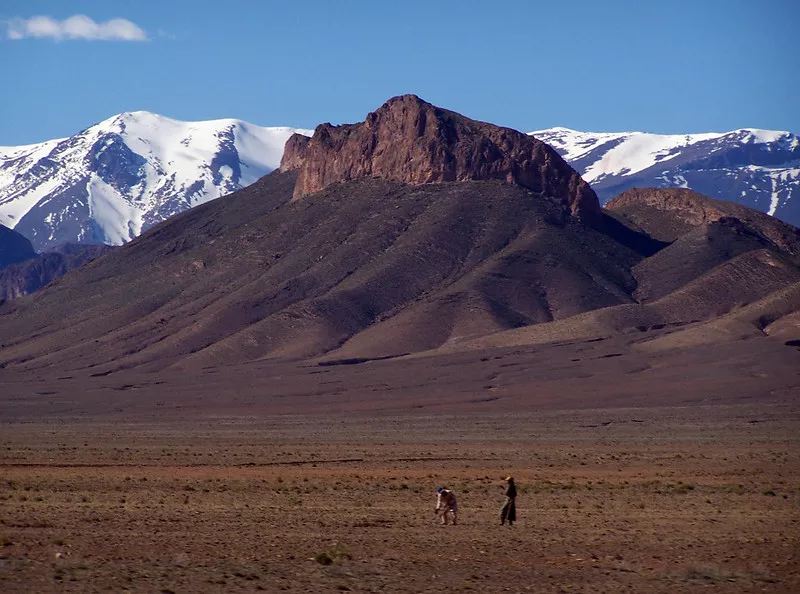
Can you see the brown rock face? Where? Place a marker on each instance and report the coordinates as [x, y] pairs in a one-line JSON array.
[[411, 141]]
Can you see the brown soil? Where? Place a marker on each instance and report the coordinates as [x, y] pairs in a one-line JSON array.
[[611, 500]]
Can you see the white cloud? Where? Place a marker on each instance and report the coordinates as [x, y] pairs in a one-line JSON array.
[[75, 27]]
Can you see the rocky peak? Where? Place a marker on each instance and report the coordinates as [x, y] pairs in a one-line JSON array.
[[411, 141]]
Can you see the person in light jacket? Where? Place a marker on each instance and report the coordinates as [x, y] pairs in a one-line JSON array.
[[446, 505], [509, 511]]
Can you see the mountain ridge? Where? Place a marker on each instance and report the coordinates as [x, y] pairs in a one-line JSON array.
[[748, 166], [120, 176]]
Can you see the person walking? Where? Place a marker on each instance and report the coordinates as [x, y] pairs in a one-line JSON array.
[[446, 505], [509, 511]]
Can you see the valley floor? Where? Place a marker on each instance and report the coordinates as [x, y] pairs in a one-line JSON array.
[[660, 499]]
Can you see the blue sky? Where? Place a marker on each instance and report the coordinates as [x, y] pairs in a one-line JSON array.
[[669, 67]]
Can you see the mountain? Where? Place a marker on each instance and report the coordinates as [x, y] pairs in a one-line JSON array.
[[265, 273], [348, 254], [30, 275], [120, 177], [755, 168]]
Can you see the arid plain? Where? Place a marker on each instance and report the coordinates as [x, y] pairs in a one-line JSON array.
[[308, 477]]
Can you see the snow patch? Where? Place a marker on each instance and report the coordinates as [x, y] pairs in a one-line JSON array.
[[761, 136], [119, 220]]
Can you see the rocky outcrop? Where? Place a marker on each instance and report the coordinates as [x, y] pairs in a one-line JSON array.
[[13, 247], [644, 209], [294, 152], [24, 278], [411, 141]]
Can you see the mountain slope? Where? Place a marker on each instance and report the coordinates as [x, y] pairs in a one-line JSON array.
[[223, 283], [719, 260], [117, 178], [756, 168]]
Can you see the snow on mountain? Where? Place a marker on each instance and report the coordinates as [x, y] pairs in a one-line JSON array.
[[117, 178], [756, 168]]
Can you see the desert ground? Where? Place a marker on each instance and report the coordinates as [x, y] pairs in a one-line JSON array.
[[638, 470], [655, 499]]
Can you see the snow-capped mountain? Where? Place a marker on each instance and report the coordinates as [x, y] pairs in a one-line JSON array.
[[117, 178], [756, 168]]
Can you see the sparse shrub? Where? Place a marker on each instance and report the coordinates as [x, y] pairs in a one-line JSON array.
[[323, 558], [335, 554]]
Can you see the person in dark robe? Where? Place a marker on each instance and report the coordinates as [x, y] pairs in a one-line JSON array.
[[509, 511]]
